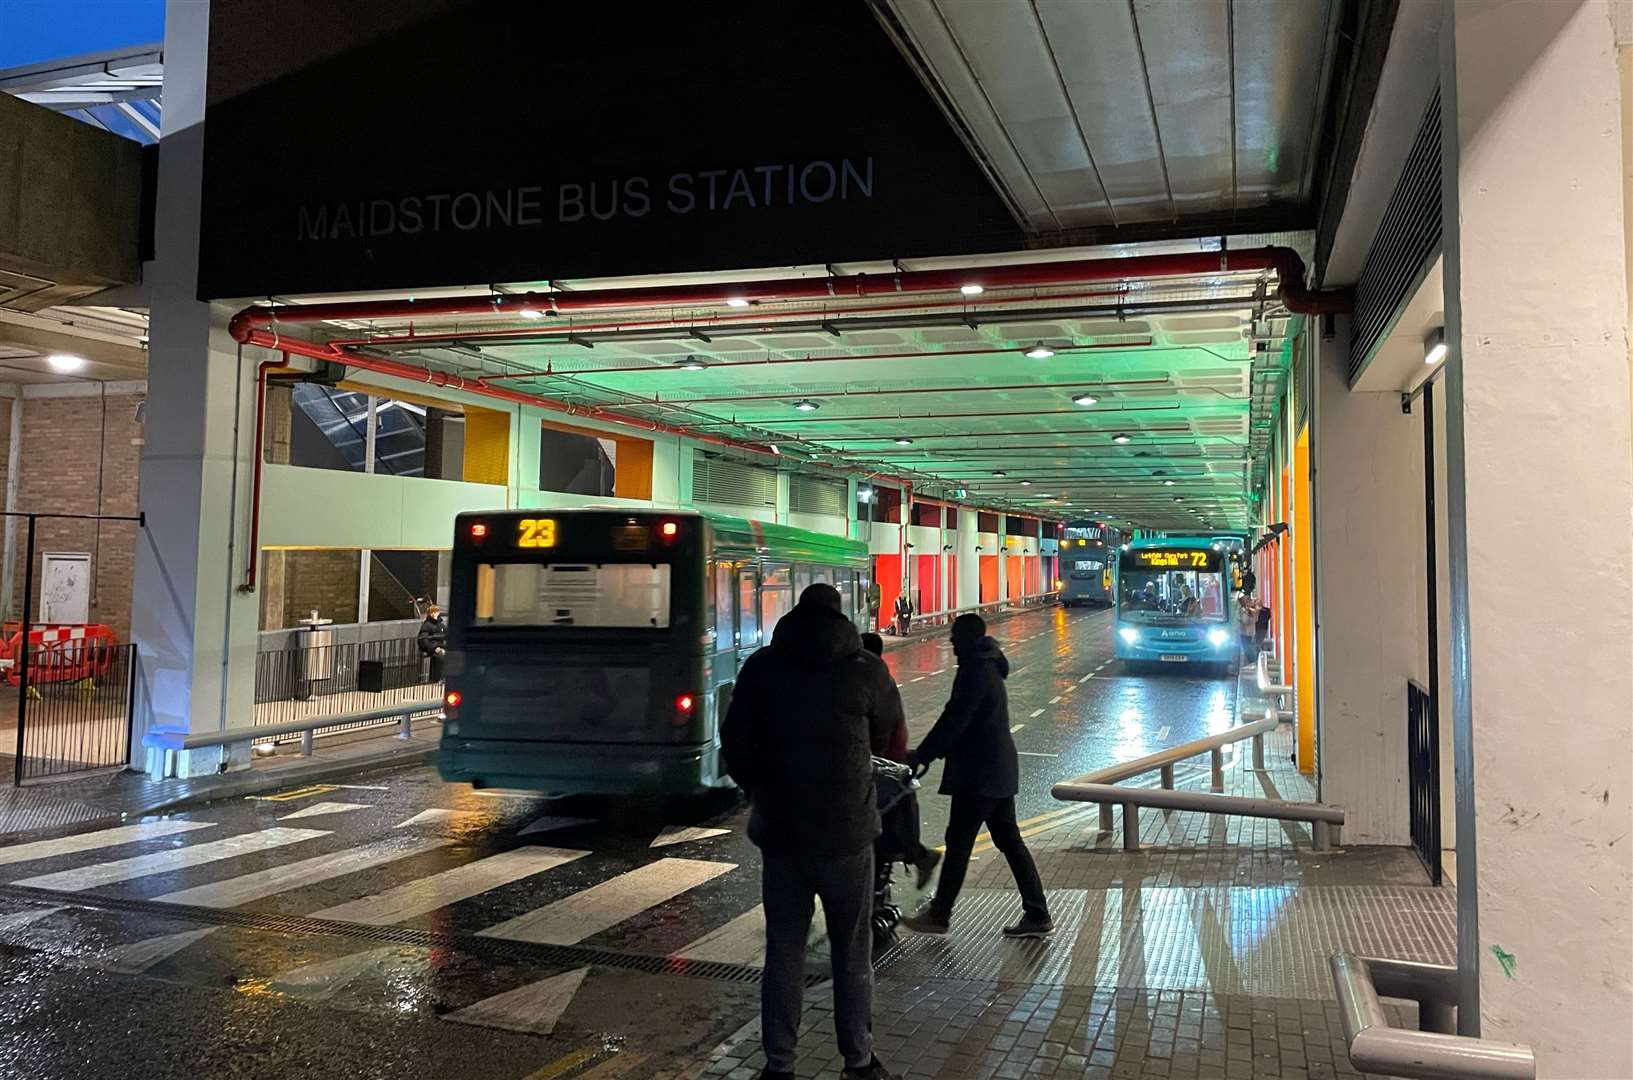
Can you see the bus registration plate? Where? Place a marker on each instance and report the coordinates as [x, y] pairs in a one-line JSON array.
[[1181, 657]]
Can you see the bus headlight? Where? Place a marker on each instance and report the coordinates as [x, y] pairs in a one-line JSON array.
[[1217, 638], [1128, 634]]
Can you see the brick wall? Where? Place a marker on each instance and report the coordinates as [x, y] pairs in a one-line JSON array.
[[79, 455], [326, 580]]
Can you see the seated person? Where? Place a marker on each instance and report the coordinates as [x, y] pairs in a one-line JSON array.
[[901, 821]]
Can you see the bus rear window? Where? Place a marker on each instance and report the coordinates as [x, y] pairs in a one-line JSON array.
[[606, 595]]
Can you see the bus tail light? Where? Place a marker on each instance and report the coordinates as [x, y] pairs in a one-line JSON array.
[[684, 706], [479, 531], [669, 530], [451, 700]]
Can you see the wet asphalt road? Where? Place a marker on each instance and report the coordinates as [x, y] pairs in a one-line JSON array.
[[446, 868]]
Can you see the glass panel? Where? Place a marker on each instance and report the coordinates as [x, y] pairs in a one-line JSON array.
[[802, 579], [1171, 597], [776, 597], [845, 582], [623, 595], [725, 619], [748, 609]]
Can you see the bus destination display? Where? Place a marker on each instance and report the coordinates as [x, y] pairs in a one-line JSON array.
[[536, 533], [1161, 559]]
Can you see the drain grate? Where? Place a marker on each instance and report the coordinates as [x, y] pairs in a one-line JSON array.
[[489, 947]]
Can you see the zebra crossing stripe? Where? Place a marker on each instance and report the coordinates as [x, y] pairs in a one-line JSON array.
[[574, 918], [319, 809], [532, 1009], [415, 898], [102, 838], [278, 879], [137, 957], [742, 940], [160, 862], [19, 920]]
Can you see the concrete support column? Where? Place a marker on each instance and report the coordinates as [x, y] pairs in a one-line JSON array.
[[194, 631], [1003, 558], [969, 560], [1538, 431]]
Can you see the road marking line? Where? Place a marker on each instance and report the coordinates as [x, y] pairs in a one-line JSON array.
[[507, 793], [1087, 677], [550, 823], [137, 957], [937, 671], [21, 919], [680, 834], [919, 679], [160, 862], [319, 809], [298, 793], [415, 898], [533, 1009], [1162, 732], [320, 980], [742, 940], [1055, 700], [573, 918], [296, 875], [615, 1066], [1013, 728], [564, 1064], [1035, 753], [436, 813], [1068, 690], [1055, 820], [363, 787], [102, 838], [1035, 714]]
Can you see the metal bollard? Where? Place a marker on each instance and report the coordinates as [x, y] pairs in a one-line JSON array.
[[1321, 835], [306, 743], [1131, 827], [1168, 777], [405, 729], [1105, 817], [1218, 758], [1258, 753]]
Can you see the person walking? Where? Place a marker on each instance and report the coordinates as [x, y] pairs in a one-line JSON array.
[[804, 715], [982, 775], [433, 640]]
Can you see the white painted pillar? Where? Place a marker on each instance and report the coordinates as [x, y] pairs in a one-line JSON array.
[[969, 560], [194, 631], [1003, 558], [371, 443], [941, 560], [1539, 444]]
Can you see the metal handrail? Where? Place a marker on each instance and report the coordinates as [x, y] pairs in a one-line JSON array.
[[1262, 671], [1433, 1053], [936, 618], [1100, 786], [194, 740]]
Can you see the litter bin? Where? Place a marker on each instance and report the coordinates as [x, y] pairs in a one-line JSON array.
[[314, 657]]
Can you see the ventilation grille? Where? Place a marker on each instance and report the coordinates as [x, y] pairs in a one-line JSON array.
[[1407, 242], [731, 483], [814, 495]]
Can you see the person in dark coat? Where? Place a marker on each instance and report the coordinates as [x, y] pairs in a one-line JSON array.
[[901, 821], [433, 640], [805, 714], [982, 775]]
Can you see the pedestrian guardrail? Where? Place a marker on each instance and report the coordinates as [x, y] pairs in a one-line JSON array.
[[1434, 1052], [1014, 603], [1102, 786], [404, 713], [1261, 669]]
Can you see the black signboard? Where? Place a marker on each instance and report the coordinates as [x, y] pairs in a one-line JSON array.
[[478, 142]]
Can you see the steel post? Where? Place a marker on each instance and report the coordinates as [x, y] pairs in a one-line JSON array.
[[24, 651], [1321, 835], [1168, 777], [306, 743], [1131, 827], [1258, 753], [1105, 817], [405, 729], [1217, 757]]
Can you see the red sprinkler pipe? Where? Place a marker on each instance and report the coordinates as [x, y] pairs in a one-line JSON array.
[[1286, 262], [261, 371]]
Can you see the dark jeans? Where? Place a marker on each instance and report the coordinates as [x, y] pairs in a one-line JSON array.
[[437, 664], [788, 885], [969, 813]]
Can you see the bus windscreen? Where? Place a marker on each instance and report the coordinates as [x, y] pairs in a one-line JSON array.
[[596, 595]]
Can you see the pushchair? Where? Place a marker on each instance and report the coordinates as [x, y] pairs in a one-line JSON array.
[[894, 787]]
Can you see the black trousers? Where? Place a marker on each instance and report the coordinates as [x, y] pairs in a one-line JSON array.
[[969, 813]]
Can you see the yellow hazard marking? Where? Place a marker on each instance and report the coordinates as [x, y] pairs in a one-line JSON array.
[[298, 793], [1029, 826], [564, 1064], [614, 1066]]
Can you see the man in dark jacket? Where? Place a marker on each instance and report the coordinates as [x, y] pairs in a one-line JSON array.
[[433, 640], [804, 715], [982, 775]]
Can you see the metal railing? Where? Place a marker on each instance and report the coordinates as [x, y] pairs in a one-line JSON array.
[[1434, 1052], [1101, 786], [1017, 603], [305, 682], [403, 714], [79, 711], [1423, 777], [1261, 670]]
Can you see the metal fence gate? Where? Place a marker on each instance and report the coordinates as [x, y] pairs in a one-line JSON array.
[[1423, 771]]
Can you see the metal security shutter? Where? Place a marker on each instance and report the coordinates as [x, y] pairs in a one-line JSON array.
[[731, 483], [1405, 246], [815, 495]]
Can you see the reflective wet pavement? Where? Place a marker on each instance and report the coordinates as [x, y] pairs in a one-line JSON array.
[[395, 925]]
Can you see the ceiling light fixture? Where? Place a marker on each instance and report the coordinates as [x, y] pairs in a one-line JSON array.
[[1167, 483], [904, 442], [65, 362], [1026, 483], [736, 301], [999, 472], [972, 289], [1434, 345], [1085, 400], [806, 405], [1040, 351], [1120, 438], [531, 313], [693, 364]]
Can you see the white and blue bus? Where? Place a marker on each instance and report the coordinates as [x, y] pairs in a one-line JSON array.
[[1087, 551], [1175, 605]]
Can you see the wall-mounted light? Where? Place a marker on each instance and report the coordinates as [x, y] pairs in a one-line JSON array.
[[1040, 351], [806, 405], [1434, 345]]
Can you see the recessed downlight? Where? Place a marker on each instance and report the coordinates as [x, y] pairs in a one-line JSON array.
[[65, 362]]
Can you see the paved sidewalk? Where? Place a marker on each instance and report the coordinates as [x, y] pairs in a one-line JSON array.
[[113, 796]]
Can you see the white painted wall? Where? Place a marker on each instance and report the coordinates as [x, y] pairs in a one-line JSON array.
[[1369, 557], [1537, 320], [328, 508]]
